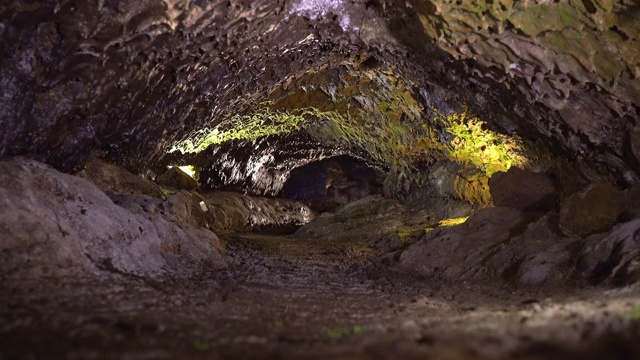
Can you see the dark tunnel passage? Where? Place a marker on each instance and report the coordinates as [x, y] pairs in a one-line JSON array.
[[328, 183], [319, 179]]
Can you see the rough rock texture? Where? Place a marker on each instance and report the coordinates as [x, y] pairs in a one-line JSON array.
[[183, 208], [404, 84], [448, 190], [60, 225], [505, 244], [177, 179], [459, 252], [524, 190], [593, 210], [113, 179], [364, 220], [614, 255], [235, 212], [260, 166], [579, 59]]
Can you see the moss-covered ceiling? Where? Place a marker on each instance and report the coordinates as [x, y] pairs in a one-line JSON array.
[[248, 90]]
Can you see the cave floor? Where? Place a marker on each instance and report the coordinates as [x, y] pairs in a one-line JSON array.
[[286, 298]]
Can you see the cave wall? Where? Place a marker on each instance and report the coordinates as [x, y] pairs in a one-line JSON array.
[[577, 59], [384, 80]]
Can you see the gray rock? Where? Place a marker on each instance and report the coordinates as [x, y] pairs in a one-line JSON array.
[[188, 208], [54, 224], [538, 255], [458, 252], [233, 212], [613, 257], [523, 189], [359, 220]]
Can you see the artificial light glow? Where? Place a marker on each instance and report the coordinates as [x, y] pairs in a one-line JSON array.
[[187, 169], [485, 149], [452, 222]]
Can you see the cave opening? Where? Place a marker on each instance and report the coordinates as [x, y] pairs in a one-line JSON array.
[[308, 179]]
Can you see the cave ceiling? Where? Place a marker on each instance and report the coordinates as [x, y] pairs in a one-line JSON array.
[[248, 90]]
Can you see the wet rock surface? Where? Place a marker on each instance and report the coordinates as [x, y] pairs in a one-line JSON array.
[[235, 212]]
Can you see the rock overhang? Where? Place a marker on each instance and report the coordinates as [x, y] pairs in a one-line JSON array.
[[385, 81]]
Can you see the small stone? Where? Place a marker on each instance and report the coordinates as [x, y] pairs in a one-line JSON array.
[[523, 189], [593, 210]]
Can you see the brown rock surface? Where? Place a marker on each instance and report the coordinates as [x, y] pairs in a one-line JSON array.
[[522, 189], [592, 210], [114, 179], [459, 251], [362, 220], [234, 212]]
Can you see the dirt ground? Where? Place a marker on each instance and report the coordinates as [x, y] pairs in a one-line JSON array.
[[285, 298]]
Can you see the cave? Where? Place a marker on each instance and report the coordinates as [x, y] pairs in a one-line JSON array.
[[315, 179]]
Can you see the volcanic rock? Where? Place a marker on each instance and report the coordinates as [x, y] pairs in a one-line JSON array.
[[592, 210], [114, 179], [359, 220], [522, 189], [55, 224], [177, 179], [234, 212], [458, 252]]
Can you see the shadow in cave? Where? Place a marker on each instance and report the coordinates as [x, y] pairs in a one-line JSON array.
[[326, 184]]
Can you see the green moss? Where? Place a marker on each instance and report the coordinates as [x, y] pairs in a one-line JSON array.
[[404, 233], [248, 127], [536, 19], [384, 121], [483, 148], [337, 333], [201, 346]]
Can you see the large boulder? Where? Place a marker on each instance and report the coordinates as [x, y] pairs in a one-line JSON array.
[[177, 179], [593, 210], [54, 224], [113, 179], [612, 257], [540, 254], [459, 252], [524, 190]]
